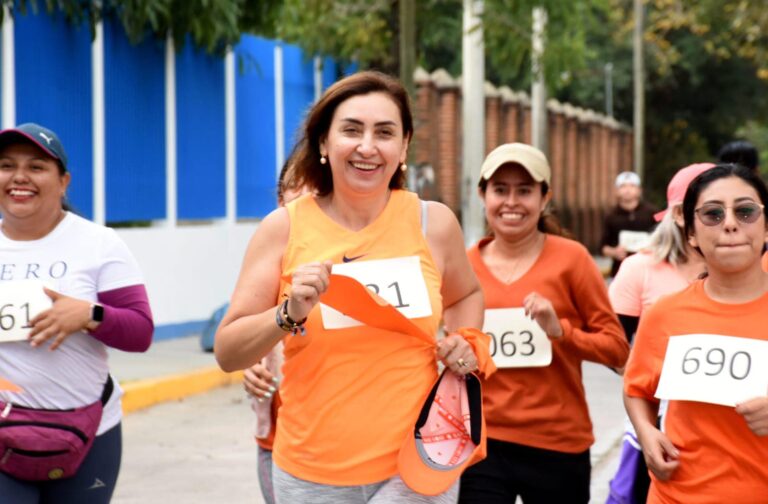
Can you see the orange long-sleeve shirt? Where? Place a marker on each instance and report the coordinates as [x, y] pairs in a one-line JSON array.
[[721, 459], [545, 407]]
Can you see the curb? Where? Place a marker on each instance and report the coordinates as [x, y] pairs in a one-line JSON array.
[[141, 394]]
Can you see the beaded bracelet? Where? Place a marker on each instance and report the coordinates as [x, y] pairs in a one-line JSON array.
[[286, 323]]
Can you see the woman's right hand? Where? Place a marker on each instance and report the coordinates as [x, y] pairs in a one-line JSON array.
[[259, 382], [660, 454], [309, 281]]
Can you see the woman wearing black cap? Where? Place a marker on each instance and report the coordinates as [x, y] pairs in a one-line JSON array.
[[68, 289]]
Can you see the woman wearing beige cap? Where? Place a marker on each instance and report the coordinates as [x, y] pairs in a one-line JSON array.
[[547, 310]]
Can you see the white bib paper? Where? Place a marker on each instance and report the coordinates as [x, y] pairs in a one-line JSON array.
[[399, 281], [633, 241], [20, 302], [714, 369], [516, 340]]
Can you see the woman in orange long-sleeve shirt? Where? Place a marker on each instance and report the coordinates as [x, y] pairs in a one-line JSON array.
[[539, 430], [713, 445]]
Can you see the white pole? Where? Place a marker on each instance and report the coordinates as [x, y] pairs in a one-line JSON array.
[[473, 113], [639, 76], [318, 75], [539, 87], [279, 111], [170, 134], [231, 135], [8, 70], [98, 120]]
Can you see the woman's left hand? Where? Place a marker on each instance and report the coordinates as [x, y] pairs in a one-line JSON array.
[[457, 354], [755, 412], [541, 310], [67, 315]]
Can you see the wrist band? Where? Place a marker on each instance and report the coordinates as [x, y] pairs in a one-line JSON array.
[[286, 323]]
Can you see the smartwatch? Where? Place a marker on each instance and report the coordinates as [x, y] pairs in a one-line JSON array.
[[97, 313]]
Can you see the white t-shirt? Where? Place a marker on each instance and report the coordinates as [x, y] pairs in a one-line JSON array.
[[79, 259]]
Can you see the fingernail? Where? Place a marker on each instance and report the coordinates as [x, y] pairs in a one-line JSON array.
[[268, 395], [260, 399], [272, 389], [275, 379]]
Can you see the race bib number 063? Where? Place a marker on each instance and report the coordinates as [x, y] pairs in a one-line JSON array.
[[516, 340], [714, 369], [20, 302], [398, 280]]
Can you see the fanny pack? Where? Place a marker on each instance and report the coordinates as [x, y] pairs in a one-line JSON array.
[[42, 445]]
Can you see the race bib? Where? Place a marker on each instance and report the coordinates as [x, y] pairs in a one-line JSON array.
[[20, 302], [633, 241], [516, 340], [399, 281], [714, 369]]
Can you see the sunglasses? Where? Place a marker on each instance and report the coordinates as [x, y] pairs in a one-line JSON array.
[[713, 214]]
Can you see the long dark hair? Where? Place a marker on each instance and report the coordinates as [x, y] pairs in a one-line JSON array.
[[308, 169], [718, 172]]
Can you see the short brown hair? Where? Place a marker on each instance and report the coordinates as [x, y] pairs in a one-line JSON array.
[[307, 168]]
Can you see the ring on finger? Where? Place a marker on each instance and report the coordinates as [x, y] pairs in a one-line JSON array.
[[461, 363]]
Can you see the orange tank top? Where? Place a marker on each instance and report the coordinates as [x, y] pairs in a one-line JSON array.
[[350, 395]]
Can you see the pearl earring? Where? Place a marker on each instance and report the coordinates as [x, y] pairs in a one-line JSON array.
[[404, 166], [323, 159]]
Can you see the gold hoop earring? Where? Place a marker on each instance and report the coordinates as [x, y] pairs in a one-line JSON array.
[[323, 159]]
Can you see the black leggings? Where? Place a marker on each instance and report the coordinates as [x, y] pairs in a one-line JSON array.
[[94, 482], [538, 476]]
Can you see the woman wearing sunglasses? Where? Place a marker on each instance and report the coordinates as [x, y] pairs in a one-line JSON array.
[[710, 340]]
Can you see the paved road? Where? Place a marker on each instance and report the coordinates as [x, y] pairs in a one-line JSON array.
[[200, 450]]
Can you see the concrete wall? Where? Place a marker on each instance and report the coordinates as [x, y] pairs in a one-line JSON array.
[[189, 270]]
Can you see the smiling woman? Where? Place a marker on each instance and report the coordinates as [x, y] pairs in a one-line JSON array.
[[547, 309], [77, 288], [351, 392]]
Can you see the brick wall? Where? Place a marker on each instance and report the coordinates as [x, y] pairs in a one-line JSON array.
[[586, 149]]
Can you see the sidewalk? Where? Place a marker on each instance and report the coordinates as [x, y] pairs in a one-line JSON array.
[[174, 369]]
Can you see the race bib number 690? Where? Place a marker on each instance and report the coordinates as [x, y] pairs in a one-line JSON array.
[[516, 340], [714, 369]]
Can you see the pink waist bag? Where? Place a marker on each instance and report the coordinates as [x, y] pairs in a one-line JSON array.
[[42, 445]]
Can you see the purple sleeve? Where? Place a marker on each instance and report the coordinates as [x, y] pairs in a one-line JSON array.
[[127, 321]]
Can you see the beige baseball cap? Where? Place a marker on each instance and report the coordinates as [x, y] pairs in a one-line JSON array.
[[529, 157]]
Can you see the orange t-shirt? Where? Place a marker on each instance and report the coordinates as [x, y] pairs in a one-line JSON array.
[[351, 395], [545, 407], [721, 459]]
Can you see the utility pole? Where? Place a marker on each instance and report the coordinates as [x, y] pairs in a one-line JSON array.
[[639, 76], [473, 115], [407, 43], [539, 86], [609, 89]]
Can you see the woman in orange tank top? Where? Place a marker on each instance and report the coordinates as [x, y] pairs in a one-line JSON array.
[[350, 392]]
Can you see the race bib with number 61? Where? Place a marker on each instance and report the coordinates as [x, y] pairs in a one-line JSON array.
[[714, 369], [398, 280], [516, 340], [20, 302]]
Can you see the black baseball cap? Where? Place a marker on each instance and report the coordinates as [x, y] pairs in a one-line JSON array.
[[38, 135]]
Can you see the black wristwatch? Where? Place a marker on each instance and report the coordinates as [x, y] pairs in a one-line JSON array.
[[97, 313]]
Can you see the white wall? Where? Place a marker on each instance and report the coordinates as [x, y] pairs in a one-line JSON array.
[[189, 270]]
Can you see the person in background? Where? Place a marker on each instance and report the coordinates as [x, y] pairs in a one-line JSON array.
[[539, 430], [350, 393], [98, 301], [262, 380], [712, 443], [627, 226], [740, 152], [667, 265]]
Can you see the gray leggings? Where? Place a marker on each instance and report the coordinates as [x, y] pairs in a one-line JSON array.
[[291, 490]]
